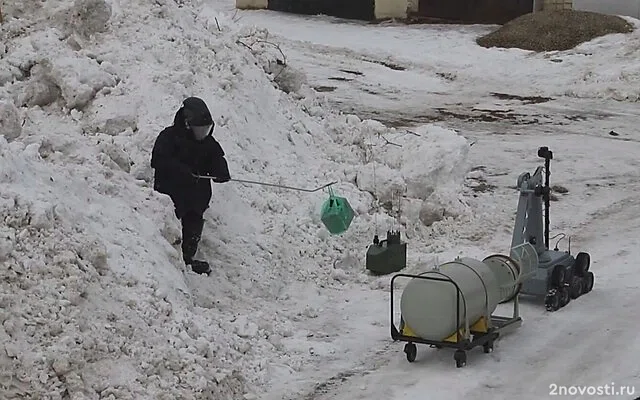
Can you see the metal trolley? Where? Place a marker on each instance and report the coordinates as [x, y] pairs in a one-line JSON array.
[[482, 333]]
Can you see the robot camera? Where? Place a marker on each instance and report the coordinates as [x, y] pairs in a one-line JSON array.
[[544, 152]]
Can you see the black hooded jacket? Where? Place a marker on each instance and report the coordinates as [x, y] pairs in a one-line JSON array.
[[177, 156]]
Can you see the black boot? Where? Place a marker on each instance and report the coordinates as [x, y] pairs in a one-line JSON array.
[[192, 225], [200, 267]]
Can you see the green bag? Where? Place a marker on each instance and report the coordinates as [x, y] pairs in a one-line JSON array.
[[336, 214]]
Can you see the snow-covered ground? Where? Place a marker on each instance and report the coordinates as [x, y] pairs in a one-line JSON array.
[[583, 105], [403, 74], [94, 302]]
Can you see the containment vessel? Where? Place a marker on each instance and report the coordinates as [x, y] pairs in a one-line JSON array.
[[428, 307]]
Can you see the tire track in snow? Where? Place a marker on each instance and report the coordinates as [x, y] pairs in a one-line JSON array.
[[623, 212], [371, 363]]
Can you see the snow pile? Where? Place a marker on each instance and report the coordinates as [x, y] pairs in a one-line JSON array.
[[10, 125], [77, 318], [96, 302], [419, 170], [609, 75]]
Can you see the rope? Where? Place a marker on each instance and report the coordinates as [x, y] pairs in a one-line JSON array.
[[395, 220], [308, 190], [375, 191]]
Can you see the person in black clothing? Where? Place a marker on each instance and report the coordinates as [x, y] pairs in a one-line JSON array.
[[182, 152]]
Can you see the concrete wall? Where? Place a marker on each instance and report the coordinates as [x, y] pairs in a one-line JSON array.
[[557, 5], [383, 8], [630, 8], [391, 9], [538, 5], [251, 4], [413, 5], [399, 8]]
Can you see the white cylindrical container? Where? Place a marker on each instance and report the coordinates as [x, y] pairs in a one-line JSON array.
[[428, 307], [506, 272]]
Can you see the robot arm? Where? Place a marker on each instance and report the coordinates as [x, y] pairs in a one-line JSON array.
[[528, 224]]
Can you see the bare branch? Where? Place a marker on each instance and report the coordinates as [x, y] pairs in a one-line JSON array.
[[282, 62], [389, 142], [219, 30], [235, 14], [277, 46], [244, 44], [284, 58]]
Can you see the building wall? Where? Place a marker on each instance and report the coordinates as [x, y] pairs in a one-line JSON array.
[[353, 9], [383, 8], [391, 9], [558, 4], [413, 6], [476, 11], [630, 8], [538, 5], [251, 4]]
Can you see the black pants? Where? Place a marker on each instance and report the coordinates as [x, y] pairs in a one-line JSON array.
[[192, 224]]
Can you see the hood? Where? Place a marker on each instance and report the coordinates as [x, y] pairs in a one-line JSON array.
[[195, 111], [178, 120]]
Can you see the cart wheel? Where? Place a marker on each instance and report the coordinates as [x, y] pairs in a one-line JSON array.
[[564, 297], [576, 287], [552, 301], [411, 351], [488, 347], [461, 358], [587, 285]]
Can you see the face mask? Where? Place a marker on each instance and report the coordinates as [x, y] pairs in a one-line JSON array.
[[201, 132]]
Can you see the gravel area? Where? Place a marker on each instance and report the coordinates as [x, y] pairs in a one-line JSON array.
[[554, 30]]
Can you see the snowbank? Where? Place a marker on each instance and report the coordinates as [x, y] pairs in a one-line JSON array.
[[86, 306], [95, 301], [420, 171], [609, 75]]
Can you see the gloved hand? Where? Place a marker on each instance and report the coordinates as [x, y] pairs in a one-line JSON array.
[[188, 176], [218, 179]]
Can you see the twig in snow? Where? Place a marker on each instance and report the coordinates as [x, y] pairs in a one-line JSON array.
[[277, 46], [284, 58], [389, 142], [413, 133], [217, 24], [282, 62], [244, 44]]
